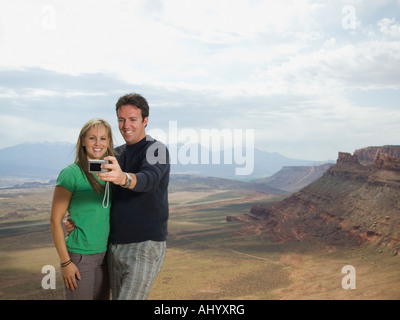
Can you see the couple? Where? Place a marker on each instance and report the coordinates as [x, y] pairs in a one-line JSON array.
[[121, 245]]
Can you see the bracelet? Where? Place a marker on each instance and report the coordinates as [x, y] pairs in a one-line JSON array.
[[64, 264]]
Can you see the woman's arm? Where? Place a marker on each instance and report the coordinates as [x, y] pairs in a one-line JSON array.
[[61, 198]]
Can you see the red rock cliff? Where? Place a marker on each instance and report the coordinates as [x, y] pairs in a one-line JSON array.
[[370, 154], [349, 205], [384, 161]]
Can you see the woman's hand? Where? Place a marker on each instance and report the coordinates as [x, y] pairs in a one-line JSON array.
[[70, 273]]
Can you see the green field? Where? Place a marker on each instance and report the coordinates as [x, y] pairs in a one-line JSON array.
[[206, 259]]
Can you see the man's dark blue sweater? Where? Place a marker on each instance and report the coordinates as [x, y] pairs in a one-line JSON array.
[[141, 214]]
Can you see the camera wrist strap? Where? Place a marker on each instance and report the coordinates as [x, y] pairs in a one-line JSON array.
[[106, 194]]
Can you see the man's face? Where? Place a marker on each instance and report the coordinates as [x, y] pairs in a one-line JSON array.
[[130, 123]]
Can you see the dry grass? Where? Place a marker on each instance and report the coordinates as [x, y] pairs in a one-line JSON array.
[[319, 277], [204, 261], [23, 257]]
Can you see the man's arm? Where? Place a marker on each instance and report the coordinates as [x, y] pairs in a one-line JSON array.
[[147, 179], [149, 176]]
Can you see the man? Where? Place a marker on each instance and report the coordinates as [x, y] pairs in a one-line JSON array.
[[139, 211]]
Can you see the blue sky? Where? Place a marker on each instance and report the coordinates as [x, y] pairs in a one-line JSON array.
[[311, 78]]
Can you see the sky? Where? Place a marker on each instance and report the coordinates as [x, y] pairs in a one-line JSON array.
[[309, 77]]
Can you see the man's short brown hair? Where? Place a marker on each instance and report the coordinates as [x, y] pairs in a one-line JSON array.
[[136, 100]]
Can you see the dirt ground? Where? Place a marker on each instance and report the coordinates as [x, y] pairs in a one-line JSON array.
[[205, 261]]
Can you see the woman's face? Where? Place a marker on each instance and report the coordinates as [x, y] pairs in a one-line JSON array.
[[96, 142]]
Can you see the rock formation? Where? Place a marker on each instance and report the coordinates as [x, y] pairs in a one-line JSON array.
[[370, 154], [350, 204], [385, 161]]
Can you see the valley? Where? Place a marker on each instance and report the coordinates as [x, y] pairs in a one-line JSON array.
[[207, 256]]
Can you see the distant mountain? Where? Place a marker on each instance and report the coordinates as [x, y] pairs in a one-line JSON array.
[[35, 160], [43, 161], [294, 178], [262, 163]]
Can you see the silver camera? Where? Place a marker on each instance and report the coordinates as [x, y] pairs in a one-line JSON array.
[[95, 165]]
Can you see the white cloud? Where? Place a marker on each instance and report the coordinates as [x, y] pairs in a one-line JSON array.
[[286, 69], [228, 21], [369, 64], [17, 129], [389, 27]]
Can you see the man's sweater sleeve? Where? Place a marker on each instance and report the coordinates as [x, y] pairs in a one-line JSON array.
[[150, 175]]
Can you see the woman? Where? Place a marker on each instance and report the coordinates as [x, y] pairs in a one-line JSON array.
[[83, 252]]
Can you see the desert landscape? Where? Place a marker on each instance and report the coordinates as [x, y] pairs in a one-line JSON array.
[[237, 244]]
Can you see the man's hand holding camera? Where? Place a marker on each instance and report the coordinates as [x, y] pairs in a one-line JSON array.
[[116, 175]]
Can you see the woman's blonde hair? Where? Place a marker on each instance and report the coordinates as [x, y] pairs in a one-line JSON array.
[[81, 157]]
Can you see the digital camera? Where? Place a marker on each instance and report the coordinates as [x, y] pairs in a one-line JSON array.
[[95, 165]]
